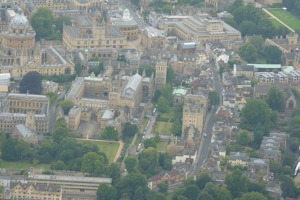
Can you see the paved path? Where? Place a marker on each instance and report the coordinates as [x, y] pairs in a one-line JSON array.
[[281, 22], [121, 145]]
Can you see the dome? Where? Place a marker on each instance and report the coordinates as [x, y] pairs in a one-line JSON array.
[[19, 22], [126, 15]]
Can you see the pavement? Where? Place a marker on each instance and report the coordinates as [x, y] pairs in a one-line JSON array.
[[208, 127]]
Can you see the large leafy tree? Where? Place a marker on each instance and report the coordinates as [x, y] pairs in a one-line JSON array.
[[42, 21], [272, 54], [106, 192], [31, 83], [163, 105], [258, 135], [276, 99], [114, 172], [66, 105], [214, 98], [131, 164], [244, 138], [165, 161], [60, 21], [253, 196], [14, 150], [60, 131], [148, 161], [248, 52], [236, 183], [256, 111], [93, 164], [129, 130], [110, 133]]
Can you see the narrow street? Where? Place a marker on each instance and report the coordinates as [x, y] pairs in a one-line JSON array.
[[208, 127]]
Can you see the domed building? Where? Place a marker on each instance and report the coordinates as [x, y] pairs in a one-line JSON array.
[[127, 25], [20, 54]]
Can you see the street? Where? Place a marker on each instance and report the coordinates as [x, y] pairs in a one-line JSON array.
[[208, 126]]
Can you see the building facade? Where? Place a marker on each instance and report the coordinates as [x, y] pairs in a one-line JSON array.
[[161, 73]]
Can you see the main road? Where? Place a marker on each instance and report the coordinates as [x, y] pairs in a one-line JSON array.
[[208, 126]]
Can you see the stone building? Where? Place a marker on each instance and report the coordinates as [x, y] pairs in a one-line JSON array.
[[194, 112], [90, 32], [20, 53], [22, 132], [151, 37], [201, 29], [127, 25], [161, 73]]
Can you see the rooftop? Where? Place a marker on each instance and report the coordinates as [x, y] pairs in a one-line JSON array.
[[27, 96], [180, 91], [24, 131]]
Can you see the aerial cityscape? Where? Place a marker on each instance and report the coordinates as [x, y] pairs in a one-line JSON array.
[[149, 99]]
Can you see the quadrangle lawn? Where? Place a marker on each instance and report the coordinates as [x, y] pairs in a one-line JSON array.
[[163, 127], [162, 146], [109, 148], [286, 17]]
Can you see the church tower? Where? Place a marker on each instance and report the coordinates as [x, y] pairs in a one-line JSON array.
[[161, 73], [30, 121]]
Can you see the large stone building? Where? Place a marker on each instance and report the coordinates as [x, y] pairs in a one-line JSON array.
[[161, 73], [20, 53], [152, 37], [201, 29], [194, 112], [29, 110], [52, 187], [127, 25], [104, 94], [90, 32]]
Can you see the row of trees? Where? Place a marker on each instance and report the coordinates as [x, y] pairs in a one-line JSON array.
[[237, 186], [252, 21], [255, 49], [292, 6]]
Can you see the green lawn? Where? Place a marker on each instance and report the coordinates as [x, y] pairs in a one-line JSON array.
[[22, 165], [163, 127], [286, 17], [276, 23], [109, 148], [162, 146]]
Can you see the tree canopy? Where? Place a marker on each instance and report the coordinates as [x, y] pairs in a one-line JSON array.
[[148, 161], [110, 133], [129, 130], [66, 105], [272, 54], [214, 98], [42, 21], [106, 192], [276, 99], [31, 83]]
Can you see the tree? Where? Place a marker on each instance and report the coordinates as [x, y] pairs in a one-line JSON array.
[[170, 75], [255, 111], [41, 22], [66, 105], [204, 195], [150, 142], [272, 54], [78, 68], [148, 161], [129, 130], [258, 135], [244, 138], [131, 164], [165, 161], [248, 52], [60, 130], [166, 92], [288, 187], [163, 105], [58, 165], [106, 192], [253, 196], [214, 98], [93, 163], [114, 172], [218, 193], [191, 192], [163, 187], [60, 21], [14, 150], [202, 180], [131, 185], [276, 99], [110, 133], [236, 183], [247, 28], [156, 96], [31, 83]]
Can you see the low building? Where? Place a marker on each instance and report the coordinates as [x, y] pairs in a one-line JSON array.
[[74, 118], [4, 82], [238, 159], [260, 167], [49, 86], [21, 132], [183, 155], [173, 178], [244, 70]]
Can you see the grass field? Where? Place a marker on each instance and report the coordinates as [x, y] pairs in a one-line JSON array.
[[276, 23], [162, 146], [286, 17], [163, 127], [109, 148], [22, 165]]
